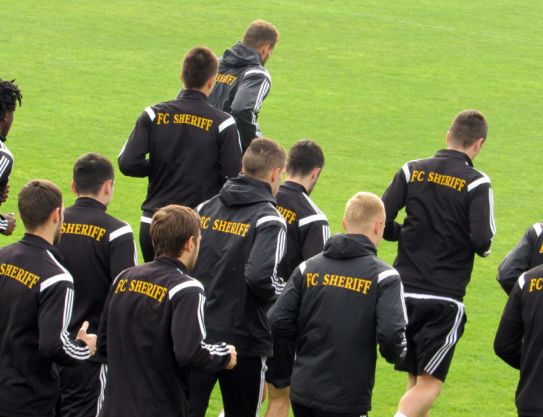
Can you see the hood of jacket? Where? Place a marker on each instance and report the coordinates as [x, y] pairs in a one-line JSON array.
[[240, 56], [346, 246], [244, 190]]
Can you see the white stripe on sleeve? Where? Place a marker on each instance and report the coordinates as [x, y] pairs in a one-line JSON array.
[[151, 113], [119, 232], [228, 122]]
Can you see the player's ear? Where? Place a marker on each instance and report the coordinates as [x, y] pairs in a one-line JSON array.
[[108, 187], [72, 186], [315, 173], [344, 224]]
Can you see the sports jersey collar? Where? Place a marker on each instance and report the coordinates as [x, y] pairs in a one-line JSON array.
[[291, 185], [89, 202], [172, 262], [38, 242], [191, 94], [455, 154]]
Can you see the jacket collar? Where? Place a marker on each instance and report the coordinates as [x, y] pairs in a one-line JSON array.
[[294, 186], [191, 94], [176, 263], [38, 242], [455, 154], [346, 246], [89, 202]]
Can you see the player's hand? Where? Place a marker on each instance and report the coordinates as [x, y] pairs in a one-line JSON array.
[[89, 339], [4, 195], [10, 217], [233, 357]]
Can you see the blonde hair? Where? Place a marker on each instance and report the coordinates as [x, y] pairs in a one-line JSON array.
[[363, 209]]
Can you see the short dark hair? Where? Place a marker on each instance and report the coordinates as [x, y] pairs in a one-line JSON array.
[[171, 227], [37, 200], [9, 96], [199, 65], [467, 127], [260, 33], [261, 157], [90, 172], [303, 157]]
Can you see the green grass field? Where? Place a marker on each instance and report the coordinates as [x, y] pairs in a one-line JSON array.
[[376, 83]]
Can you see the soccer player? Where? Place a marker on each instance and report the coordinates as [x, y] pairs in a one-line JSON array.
[[526, 255], [243, 241], [9, 96], [337, 306], [449, 219], [152, 329], [95, 248], [307, 231], [36, 296], [243, 82], [193, 147], [519, 340]]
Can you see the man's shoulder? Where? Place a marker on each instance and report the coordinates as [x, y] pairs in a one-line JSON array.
[[256, 71]]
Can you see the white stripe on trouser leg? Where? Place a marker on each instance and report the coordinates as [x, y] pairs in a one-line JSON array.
[[450, 340], [262, 381], [103, 377]]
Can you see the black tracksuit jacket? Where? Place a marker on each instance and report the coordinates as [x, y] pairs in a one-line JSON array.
[[152, 332], [519, 340], [36, 297], [337, 306], [307, 226], [95, 248], [242, 85], [193, 148], [243, 241], [449, 218], [526, 255]]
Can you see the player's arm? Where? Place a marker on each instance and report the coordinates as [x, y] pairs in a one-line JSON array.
[[55, 312], [314, 235], [188, 333], [283, 315], [230, 152], [252, 90], [394, 201], [391, 317], [267, 251], [101, 342], [6, 165], [122, 253], [518, 260], [508, 340], [481, 216], [133, 157]]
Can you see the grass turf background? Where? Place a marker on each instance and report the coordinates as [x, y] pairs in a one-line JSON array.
[[376, 84]]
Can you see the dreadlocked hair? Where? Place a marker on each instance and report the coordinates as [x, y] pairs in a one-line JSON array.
[[9, 96]]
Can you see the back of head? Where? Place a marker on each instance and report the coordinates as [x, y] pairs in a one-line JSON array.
[[304, 156], [362, 210], [37, 200], [199, 65], [9, 96], [467, 127], [262, 156], [171, 227], [90, 172], [260, 33]]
